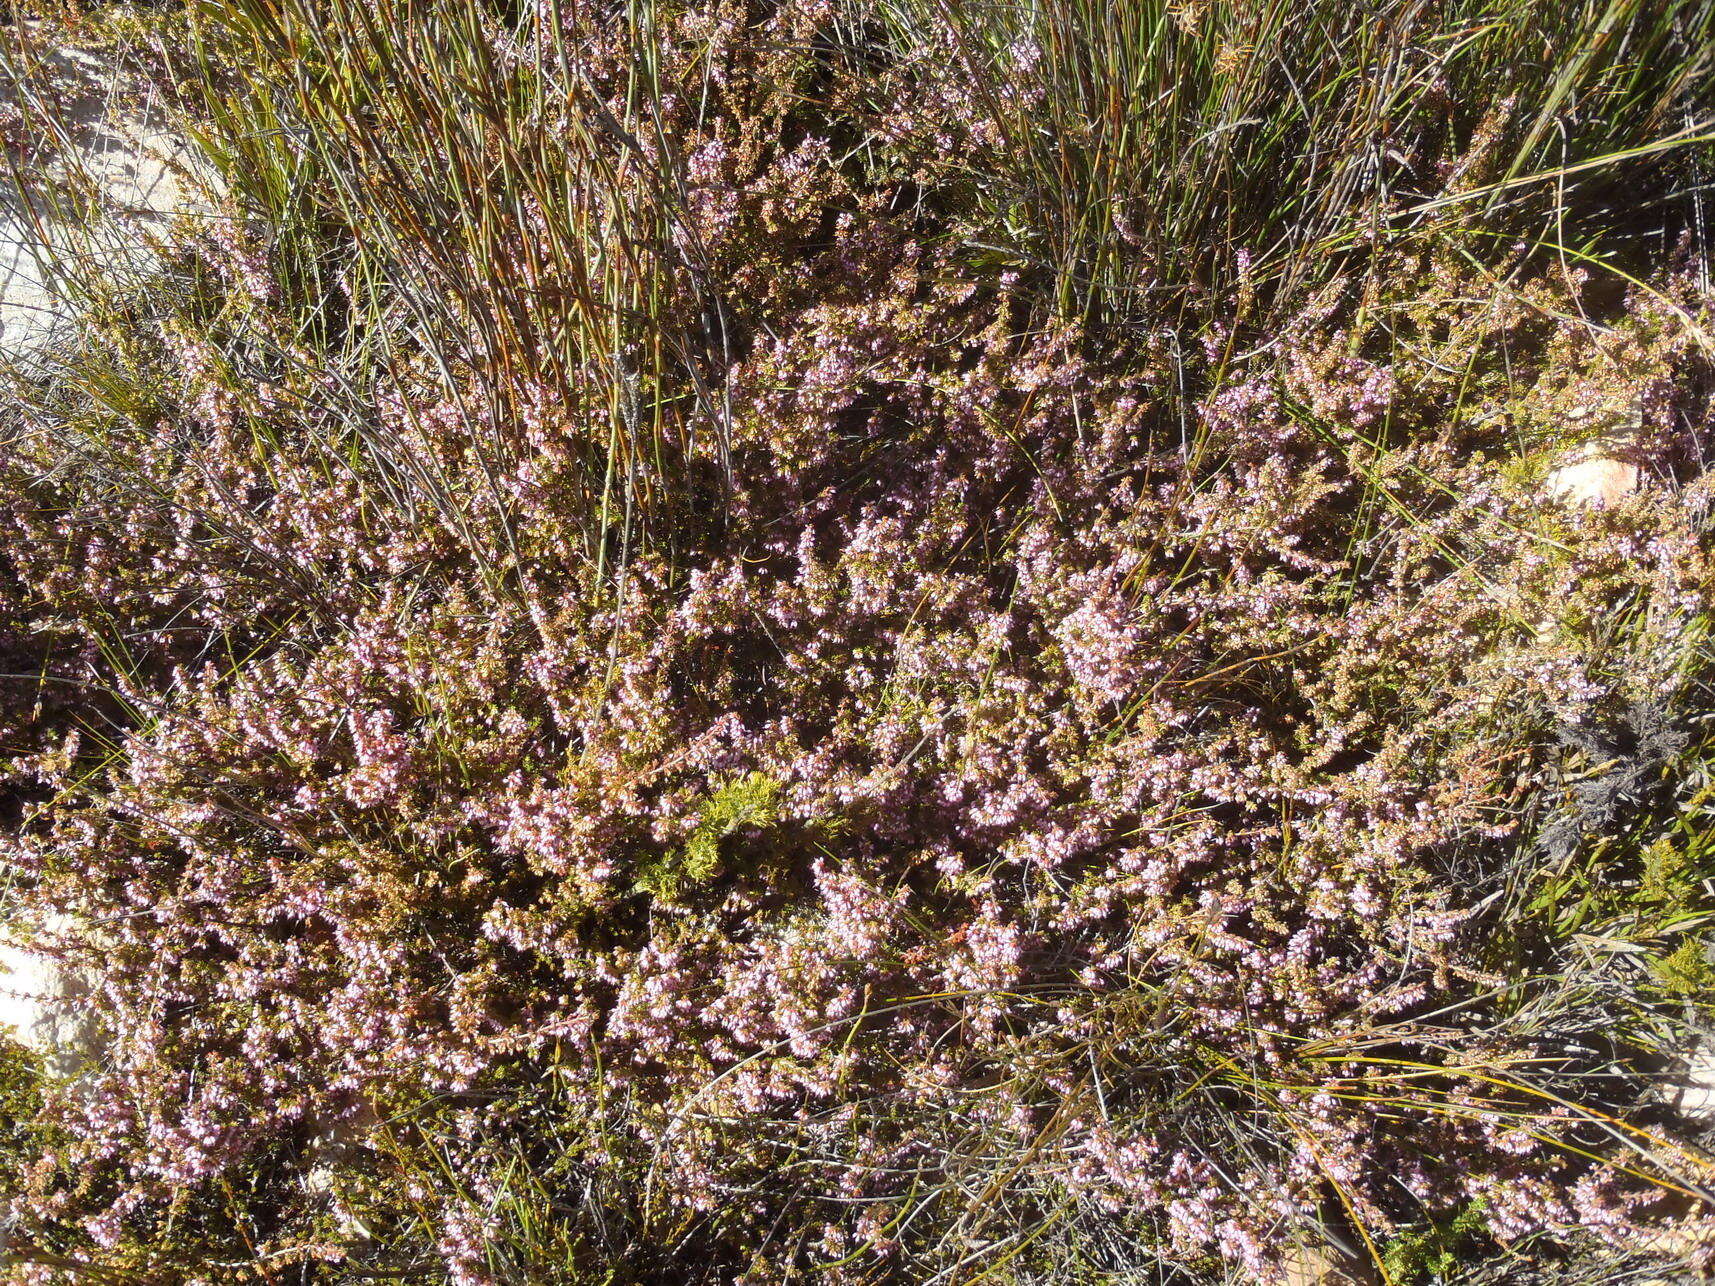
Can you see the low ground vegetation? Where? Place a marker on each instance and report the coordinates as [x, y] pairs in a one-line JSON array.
[[917, 642]]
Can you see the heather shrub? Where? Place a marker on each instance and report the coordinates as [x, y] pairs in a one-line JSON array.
[[620, 676]]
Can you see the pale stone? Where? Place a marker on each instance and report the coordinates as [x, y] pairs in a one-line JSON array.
[[25, 978], [333, 1145], [1323, 1266], [1595, 480], [137, 170], [44, 1007], [1687, 1242], [139, 185], [1692, 1091]]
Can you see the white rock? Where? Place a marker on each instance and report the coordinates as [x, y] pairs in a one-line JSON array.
[[1692, 1091], [137, 169], [1314, 1265], [45, 1008], [1598, 480]]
